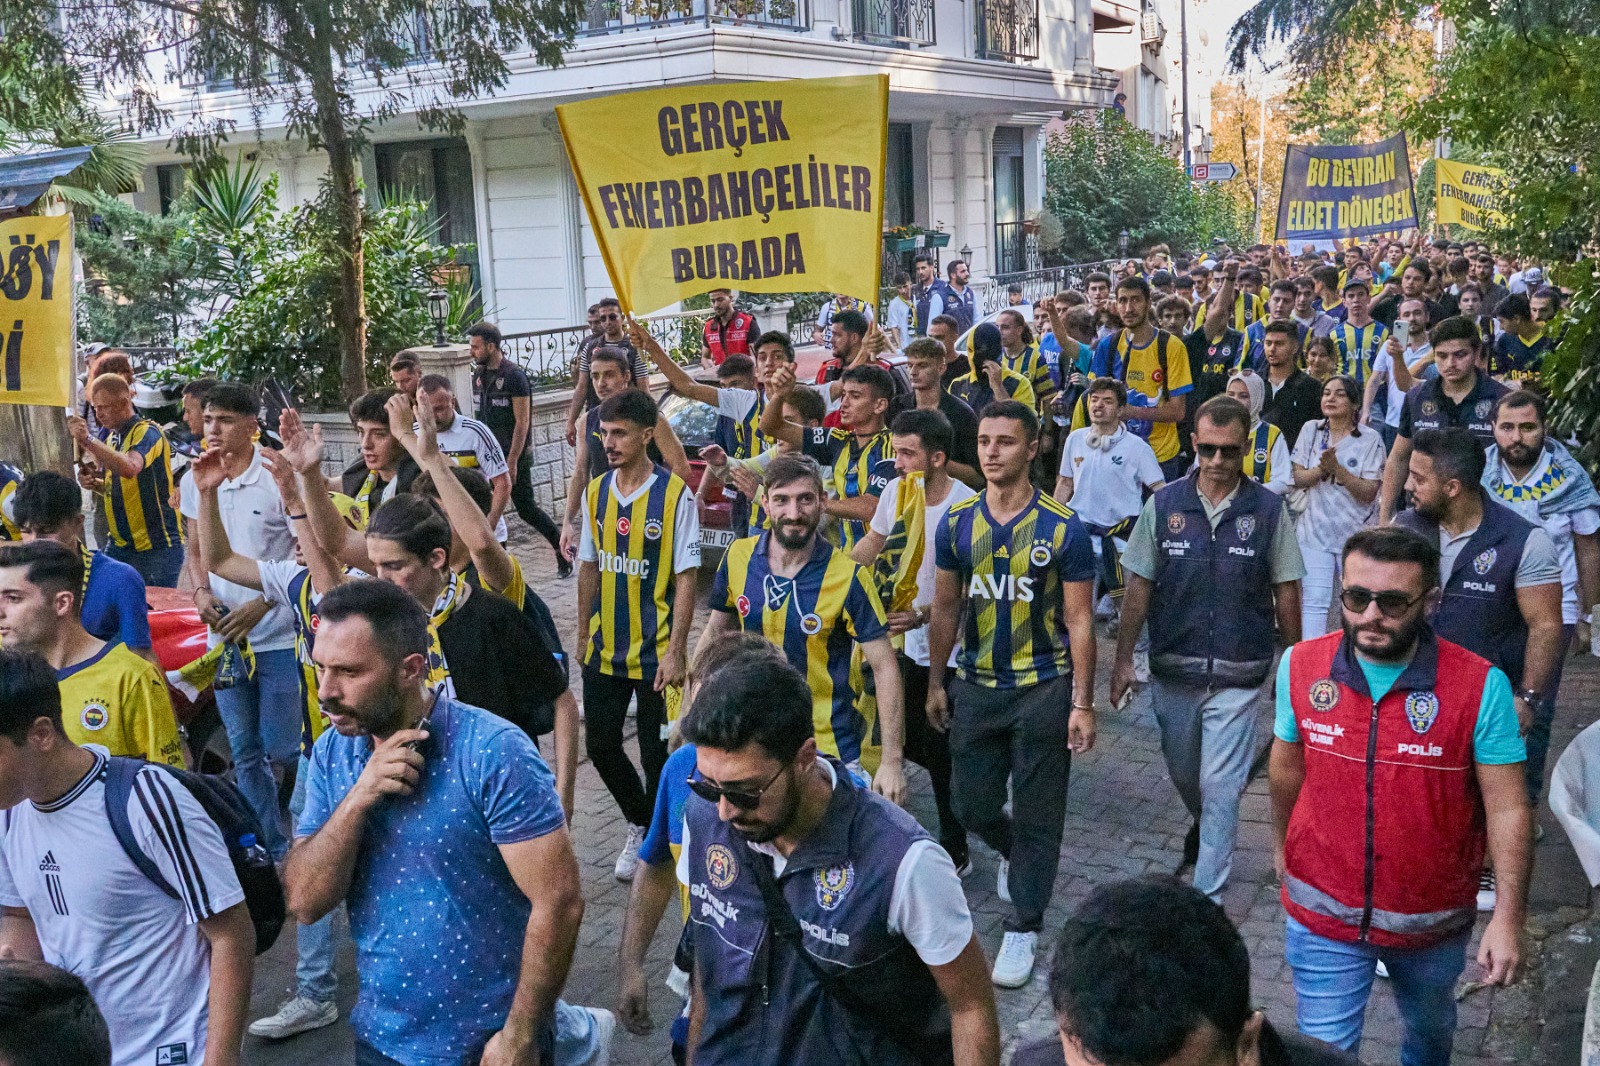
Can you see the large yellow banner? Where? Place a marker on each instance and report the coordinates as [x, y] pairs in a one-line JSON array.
[[762, 186], [1467, 194], [36, 310]]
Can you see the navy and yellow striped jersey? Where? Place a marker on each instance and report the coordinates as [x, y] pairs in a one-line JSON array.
[[139, 509], [10, 481], [1511, 359], [638, 554], [1015, 633], [1357, 347], [1031, 365], [1258, 454], [817, 617], [739, 432], [1248, 308], [303, 599], [851, 468]]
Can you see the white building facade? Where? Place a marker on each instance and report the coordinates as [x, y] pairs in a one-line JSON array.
[[972, 84]]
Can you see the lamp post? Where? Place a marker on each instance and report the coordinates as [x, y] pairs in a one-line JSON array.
[[966, 255], [438, 310], [1122, 244]]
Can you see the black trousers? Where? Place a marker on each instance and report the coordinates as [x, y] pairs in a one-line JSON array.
[[605, 709], [930, 749], [528, 507]]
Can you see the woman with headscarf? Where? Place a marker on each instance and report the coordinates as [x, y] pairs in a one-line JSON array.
[[1266, 453]]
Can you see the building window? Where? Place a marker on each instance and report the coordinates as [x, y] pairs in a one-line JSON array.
[[170, 181], [439, 173], [1011, 252], [899, 178], [896, 23], [1008, 30]]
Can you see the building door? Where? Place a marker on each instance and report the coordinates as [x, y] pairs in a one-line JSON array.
[[438, 172], [1010, 252]]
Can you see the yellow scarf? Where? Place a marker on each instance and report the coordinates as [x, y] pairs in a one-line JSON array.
[[895, 569], [450, 597]]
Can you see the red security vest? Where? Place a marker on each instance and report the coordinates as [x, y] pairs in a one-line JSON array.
[[734, 338], [1387, 839]]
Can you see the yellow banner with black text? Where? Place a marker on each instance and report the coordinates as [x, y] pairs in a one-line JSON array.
[[761, 186], [1466, 194], [36, 310]]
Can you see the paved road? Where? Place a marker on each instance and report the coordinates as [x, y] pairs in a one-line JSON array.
[[1123, 820]]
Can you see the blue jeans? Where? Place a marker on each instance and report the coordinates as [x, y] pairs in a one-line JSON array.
[[159, 566], [262, 717], [575, 1041], [1333, 980], [313, 971], [1539, 731]]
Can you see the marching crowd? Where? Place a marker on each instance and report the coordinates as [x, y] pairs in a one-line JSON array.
[[1324, 480]]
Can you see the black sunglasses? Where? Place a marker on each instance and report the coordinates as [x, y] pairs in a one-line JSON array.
[[1211, 451], [744, 801], [1390, 604]]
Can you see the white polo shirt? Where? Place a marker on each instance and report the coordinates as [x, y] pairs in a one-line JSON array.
[[258, 528], [469, 443], [1108, 483]]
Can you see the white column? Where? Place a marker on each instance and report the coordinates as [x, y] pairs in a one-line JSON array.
[[480, 211], [572, 215]]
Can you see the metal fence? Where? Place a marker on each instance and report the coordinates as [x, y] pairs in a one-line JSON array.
[[550, 356], [618, 16]]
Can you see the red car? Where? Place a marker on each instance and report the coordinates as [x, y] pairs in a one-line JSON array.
[[179, 638]]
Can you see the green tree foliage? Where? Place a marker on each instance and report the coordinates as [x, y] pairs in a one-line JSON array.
[[139, 275], [1104, 175]]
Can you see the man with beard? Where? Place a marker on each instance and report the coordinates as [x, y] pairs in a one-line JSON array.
[[1540, 480], [1396, 761], [828, 926], [638, 557], [424, 806], [818, 606]]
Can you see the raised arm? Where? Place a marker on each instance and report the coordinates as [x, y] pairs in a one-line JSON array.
[[671, 448], [326, 573], [1220, 309], [215, 551], [303, 449], [676, 376], [774, 426]]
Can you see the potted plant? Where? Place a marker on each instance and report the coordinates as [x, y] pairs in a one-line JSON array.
[[936, 237], [906, 238]]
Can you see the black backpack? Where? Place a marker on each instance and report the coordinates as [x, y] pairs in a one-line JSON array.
[[226, 806]]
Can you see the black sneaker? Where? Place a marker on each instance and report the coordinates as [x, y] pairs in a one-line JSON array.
[[962, 858], [563, 567], [1191, 846], [1486, 893]]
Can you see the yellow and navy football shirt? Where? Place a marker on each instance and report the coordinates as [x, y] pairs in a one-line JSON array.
[[1248, 308], [1014, 634], [139, 509], [816, 617], [1152, 373], [739, 414], [853, 468], [1512, 359], [1031, 365], [1258, 454], [10, 481], [118, 700], [638, 555], [1357, 347]]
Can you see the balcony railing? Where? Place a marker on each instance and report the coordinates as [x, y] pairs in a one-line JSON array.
[[615, 16], [1008, 30], [550, 356], [897, 23]]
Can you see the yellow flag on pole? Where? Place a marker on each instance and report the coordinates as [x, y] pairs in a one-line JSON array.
[[1466, 194], [36, 310]]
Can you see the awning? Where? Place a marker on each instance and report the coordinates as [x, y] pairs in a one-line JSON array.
[[24, 178]]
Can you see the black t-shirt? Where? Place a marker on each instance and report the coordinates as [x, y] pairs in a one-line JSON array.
[[1290, 407], [1210, 363], [963, 424], [492, 393], [500, 662], [959, 367], [1387, 310]]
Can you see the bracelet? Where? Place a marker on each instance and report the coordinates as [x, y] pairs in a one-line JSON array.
[[1083, 706], [293, 517]]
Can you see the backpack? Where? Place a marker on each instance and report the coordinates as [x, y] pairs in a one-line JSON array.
[[226, 806]]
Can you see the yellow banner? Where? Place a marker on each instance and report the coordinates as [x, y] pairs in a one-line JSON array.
[[36, 310], [1467, 194], [761, 186]]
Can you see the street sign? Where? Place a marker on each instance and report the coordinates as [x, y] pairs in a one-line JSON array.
[[1213, 172]]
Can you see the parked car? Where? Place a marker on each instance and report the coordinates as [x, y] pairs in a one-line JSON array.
[[695, 424], [178, 637]]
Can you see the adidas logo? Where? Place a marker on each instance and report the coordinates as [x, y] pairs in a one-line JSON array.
[[49, 865], [1002, 553]]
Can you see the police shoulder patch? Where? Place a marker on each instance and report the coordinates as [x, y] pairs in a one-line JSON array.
[[1323, 694], [833, 884], [1422, 708], [722, 869]]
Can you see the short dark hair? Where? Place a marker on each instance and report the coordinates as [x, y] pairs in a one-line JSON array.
[[899, 278], [631, 405], [199, 387], [1220, 410], [945, 320], [488, 331], [614, 354], [1285, 285], [472, 480], [787, 469], [1455, 452], [807, 404], [736, 365], [925, 348], [1459, 264], [778, 337], [404, 361], [370, 406], [1135, 284], [1514, 306], [873, 377], [1108, 384], [1016, 287], [414, 522], [1456, 328], [28, 692], [851, 322], [234, 398], [1421, 267], [728, 648], [1396, 544], [932, 428], [950, 267], [759, 700], [1518, 399], [1096, 275], [47, 565], [609, 301], [1015, 410], [1284, 326], [46, 501], [48, 1018], [399, 624], [1174, 303], [435, 383], [1326, 276], [1144, 963]]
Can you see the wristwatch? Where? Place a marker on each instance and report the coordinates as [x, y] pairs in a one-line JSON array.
[[1532, 697]]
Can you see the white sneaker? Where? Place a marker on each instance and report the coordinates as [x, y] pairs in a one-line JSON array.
[[605, 1024], [1486, 893], [1002, 882], [297, 1015], [1141, 666], [1014, 965], [628, 861], [1381, 970]]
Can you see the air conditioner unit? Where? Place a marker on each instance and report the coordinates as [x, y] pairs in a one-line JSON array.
[[1152, 31]]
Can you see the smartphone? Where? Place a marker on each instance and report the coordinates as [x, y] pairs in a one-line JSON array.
[[425, 725], [1402, 332]]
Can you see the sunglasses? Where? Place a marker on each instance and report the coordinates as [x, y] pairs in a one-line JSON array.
[[610, 318], [1227, 451], [744, 801], [1390, 604]]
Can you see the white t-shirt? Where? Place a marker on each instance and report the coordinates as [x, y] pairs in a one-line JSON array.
[[685, 531], [257, 528], [1383, 363], [469, 443], [1331, 513], [1560, 527], [1108, 482], [928, 906], [899, 318], [736, 403], [883, 524], [140, 951]]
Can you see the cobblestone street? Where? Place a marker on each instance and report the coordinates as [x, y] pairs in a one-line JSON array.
[[1123, 819]]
